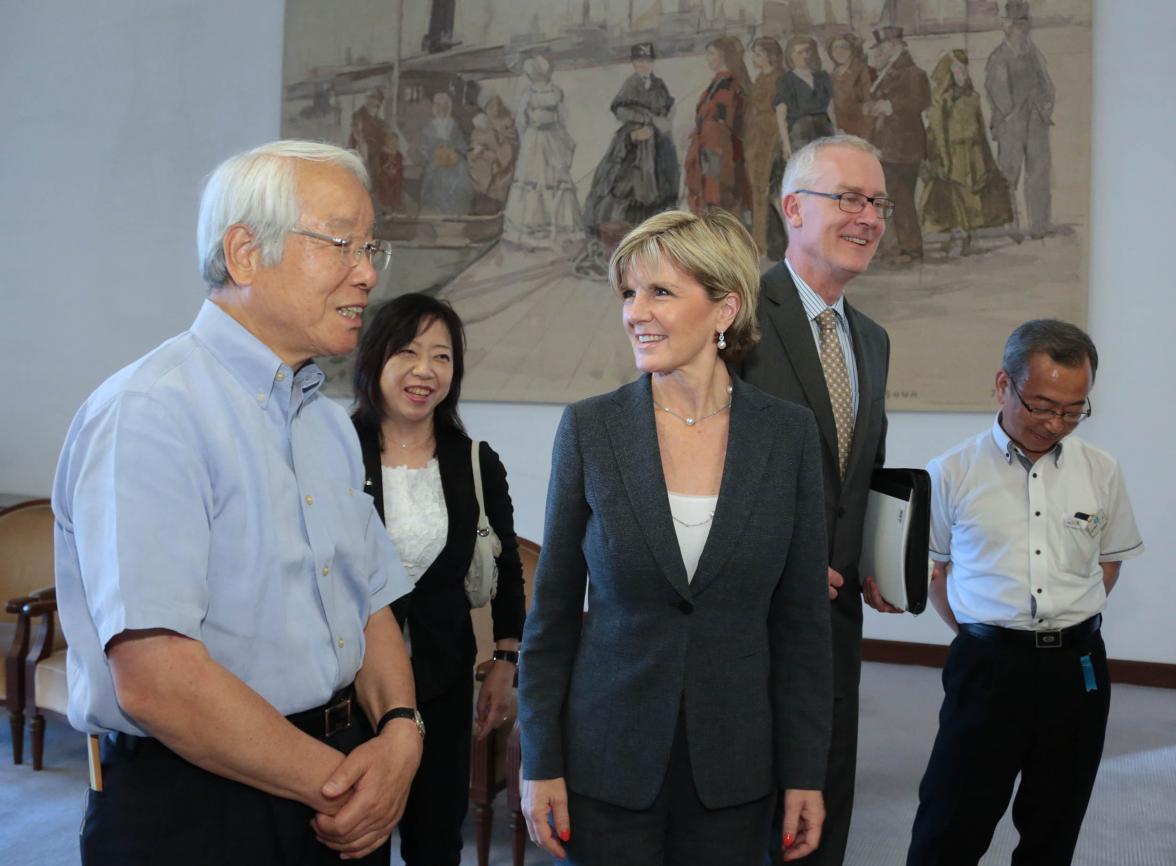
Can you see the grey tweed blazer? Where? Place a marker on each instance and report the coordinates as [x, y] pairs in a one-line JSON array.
[[744, 650]]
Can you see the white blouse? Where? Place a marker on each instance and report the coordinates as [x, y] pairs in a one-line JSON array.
[[415, 515], [693, 516]]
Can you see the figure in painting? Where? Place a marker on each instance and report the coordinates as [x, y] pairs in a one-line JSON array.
[[1021, 98], [803, 97], [852, 79], [638, 175], [897, 102], [379, 149], [715, 172], [964, 190], [445, 184], [762, 151], [542, 209], [494, 147]]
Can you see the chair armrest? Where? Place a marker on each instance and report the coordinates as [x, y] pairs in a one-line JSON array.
[[15, 605], [40, 607]]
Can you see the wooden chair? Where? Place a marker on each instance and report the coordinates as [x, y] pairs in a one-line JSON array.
[[489, 761], [26, 576], [45, 679]]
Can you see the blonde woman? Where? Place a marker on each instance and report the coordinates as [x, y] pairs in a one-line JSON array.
[[658, 728]]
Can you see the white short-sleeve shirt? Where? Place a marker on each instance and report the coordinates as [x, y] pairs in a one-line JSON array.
[[1026, 539]]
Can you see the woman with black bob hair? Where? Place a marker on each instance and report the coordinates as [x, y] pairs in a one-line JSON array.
[[417, 459]]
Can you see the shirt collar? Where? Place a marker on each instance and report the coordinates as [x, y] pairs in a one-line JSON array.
[[251, 362], [1008, 448], [813, 303]]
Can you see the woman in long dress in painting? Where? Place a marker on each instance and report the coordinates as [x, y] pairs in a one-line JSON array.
[[763, 135], [542, 209], [965, 190], [802, 100], [638, 175], [715, 173], [852, 78]]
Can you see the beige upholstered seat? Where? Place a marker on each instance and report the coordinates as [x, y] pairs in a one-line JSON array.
[[489, 764]]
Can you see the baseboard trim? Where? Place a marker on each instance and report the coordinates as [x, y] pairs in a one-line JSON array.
[[895, 652]]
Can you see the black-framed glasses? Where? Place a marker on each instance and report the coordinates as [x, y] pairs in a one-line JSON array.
[[855, 202], [379, 253], [1045, 414]]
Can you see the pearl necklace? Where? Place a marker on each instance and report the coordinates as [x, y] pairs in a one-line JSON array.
[[690, 422]]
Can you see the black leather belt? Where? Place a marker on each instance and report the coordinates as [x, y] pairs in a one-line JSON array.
[[1025, 638], [331, 718]]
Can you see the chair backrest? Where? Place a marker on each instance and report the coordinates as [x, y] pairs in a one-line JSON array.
[[483, 623], [26, 550]]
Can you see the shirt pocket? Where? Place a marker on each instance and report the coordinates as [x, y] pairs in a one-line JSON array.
[[1081, 533]]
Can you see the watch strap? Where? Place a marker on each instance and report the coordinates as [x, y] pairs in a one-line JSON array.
[[401, 713]]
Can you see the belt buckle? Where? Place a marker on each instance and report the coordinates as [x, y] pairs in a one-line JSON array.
[[1048, 638], [337, 719]]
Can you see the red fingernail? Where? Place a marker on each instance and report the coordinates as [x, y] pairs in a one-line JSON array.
[[788, 840], [565, 835]]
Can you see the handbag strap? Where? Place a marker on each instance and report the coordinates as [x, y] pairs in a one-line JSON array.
[[476, 463]]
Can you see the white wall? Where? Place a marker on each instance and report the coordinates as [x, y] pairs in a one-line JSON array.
[[114, 112]]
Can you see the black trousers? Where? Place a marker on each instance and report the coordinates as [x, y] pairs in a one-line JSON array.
[[157, 808], [677, 830], [1009, 710], [430, 831], [840, 775]]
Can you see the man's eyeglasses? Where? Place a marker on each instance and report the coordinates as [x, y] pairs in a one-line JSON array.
[[855, 202], [379, 253], [1044, 414]]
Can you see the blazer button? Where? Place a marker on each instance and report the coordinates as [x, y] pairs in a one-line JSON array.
[[685, 606]]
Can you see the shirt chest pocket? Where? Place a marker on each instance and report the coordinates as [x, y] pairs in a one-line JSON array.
[[1080, 534]]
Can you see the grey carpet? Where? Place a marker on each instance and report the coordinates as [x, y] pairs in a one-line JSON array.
[[1131, 820]]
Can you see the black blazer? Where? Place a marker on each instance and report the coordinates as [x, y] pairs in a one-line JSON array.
[[786, 363], [437, 610], [743, 649]]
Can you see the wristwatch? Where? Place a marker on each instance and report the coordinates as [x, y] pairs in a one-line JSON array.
[[402, 713], [511, 656]]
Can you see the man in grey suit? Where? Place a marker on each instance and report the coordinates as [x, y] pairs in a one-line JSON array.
[[820, 352]]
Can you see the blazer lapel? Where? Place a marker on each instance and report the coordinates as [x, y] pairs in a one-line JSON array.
[[865, 388], [633, 434], [787, 316], [749, 443]]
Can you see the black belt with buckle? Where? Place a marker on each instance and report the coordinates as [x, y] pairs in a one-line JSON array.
[[331, 718], [1043, 639]]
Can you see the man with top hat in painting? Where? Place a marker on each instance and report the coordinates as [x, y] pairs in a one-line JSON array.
[[1021, 99], [898, 98]]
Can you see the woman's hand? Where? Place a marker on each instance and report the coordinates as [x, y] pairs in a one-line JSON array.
[[494, 698], [545, 802], [804, 814]]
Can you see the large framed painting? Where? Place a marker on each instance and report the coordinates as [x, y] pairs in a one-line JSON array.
[[512, 143]]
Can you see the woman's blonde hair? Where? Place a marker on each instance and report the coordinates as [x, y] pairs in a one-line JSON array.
[[713, 248]]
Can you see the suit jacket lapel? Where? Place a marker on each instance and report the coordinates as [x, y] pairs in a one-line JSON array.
[[865, 388], [633, 434], [749, 443], [796, 335]]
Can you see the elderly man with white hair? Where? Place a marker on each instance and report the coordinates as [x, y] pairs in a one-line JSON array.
[[223, 579]]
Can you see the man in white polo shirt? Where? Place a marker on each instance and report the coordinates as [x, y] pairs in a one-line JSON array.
[[1029, 526]]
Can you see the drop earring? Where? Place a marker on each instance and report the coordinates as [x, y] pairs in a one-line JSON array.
[[722, 340]]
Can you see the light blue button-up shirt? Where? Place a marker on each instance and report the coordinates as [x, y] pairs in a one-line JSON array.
[[210, 490], [814, 305]]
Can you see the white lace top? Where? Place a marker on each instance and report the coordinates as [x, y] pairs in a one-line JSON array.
[[415, 514]]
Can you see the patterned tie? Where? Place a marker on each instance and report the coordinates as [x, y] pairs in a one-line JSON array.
[[837, 383]]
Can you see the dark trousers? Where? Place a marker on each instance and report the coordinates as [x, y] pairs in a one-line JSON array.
[[156, 808], [840, 775], [430, 831], [1009, 710], [901, 180], [677, 830]]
